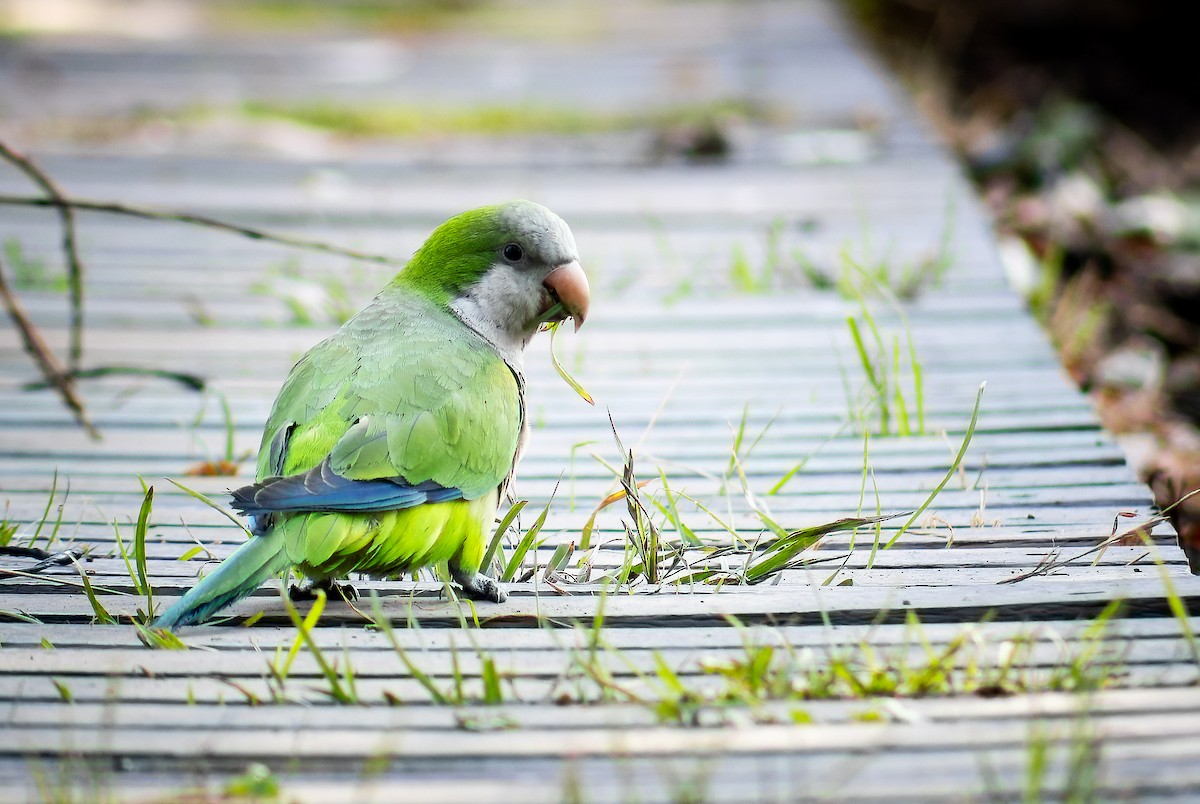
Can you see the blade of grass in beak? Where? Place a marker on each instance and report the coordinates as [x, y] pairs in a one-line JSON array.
[[562, 371], [549, 319]]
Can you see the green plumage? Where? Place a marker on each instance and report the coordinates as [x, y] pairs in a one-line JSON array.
[[409, 397], [402, 390]]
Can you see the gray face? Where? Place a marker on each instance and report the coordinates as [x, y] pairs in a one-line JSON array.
[[535, 253], [542, 239]]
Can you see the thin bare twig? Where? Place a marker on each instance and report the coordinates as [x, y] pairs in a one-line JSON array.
[[54, 372], [193, 382], [146, 213], [70, 250], [1050, 563]]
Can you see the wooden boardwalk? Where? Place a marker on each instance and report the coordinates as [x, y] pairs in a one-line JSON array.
[[704, 341]]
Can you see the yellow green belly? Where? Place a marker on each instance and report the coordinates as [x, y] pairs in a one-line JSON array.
[[332, 545]]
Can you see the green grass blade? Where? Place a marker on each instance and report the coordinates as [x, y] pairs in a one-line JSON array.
[[102, 615], [668, 676], [310, 620], [670, 509], [159, 639], [137, 587], [229, 428], [192, 553], [902, 425], [589, 527], [562, 371], [861, 349], [492, 694], [139, 548], [738, 435], [782, 552], [46, 512], [558, 559], [1175, 603], [962, 452], [209, 502], [787, 477], [523, 546], [351, 684], [460, 695], [336, 689], [918, 383], [385, 625], [494, 546]]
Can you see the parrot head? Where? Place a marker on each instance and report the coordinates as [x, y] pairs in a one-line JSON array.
[[504, 270]]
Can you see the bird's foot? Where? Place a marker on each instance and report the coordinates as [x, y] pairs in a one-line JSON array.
[[478, 586], [332, 589]]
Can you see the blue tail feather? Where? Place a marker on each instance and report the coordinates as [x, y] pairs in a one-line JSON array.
[[244, 571]]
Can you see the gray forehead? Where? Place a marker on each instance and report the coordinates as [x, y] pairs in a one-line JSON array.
[[539, 229]]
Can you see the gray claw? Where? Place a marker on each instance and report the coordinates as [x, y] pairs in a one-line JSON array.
[[333, 590], [478, 586]]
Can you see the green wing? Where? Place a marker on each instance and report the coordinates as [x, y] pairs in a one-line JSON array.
[[404, 390]]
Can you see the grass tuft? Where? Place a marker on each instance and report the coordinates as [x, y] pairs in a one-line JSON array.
[[884, 368]]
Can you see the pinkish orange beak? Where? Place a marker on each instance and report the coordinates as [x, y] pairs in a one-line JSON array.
[[569, 285]]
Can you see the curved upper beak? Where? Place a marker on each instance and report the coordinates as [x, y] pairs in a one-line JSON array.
[[569, 285]]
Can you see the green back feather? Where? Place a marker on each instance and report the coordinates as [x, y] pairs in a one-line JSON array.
[[404, 390]]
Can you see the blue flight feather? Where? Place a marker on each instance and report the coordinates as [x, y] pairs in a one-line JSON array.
[[322, 489]]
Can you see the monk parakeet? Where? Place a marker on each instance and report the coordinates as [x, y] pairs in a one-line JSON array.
[[392, 441]]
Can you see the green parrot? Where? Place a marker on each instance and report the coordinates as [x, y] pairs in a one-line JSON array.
[[392, 441]]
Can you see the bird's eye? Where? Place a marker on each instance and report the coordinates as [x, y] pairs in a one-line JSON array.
[[513, 253]]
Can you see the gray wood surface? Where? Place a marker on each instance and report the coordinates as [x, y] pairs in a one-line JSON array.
[[678, 351]]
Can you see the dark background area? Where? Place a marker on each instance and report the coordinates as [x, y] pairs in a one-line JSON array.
[[1080, 123], [1006, 56]]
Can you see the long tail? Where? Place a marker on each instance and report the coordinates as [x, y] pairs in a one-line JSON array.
[[239, 575]]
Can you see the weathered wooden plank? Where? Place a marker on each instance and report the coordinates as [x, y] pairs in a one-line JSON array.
[[963, 564], [678, 193], [153, 717], [680, 461], [608, 347], [403, 690], [669, 430], [357, 638], [818, 574], [173, 572], [688, 606], [147, 409], [764, 739], [896, 775], [526, 663], [169, 542]]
